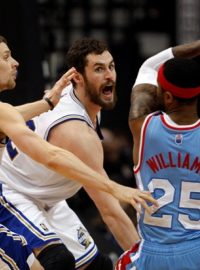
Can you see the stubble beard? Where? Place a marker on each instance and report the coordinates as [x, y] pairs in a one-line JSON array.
[[95, 97]]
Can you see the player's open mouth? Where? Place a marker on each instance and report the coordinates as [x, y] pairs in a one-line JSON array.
[[107, 90], [14, 75]]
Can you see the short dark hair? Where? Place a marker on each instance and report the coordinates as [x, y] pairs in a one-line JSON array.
[[181, 77], [182, 72], [77, 53], [3, 39]]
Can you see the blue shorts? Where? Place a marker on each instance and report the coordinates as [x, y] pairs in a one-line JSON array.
[[14, 250], [152, 256], [41, 224]]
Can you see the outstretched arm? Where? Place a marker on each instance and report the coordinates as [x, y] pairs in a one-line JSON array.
[[30, 110], [116, 219], [78, 137], [62, 161]]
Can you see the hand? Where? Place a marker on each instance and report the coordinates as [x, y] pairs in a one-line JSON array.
[[135, 197], [54, 93]]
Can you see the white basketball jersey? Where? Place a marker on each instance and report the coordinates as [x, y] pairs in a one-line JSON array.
[[25, 175], [2, 148]]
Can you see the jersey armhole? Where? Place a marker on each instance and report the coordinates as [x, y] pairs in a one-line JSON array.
[[137, 167]]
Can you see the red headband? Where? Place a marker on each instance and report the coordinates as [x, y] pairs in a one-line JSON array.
[[177, 91]]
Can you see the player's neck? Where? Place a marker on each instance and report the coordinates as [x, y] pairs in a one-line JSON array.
[[91, 108], [182, 115]]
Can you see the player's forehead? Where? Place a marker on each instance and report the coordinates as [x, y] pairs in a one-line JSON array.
[[104, 58]]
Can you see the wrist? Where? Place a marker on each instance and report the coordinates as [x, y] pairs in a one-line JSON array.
[[50, 103], [148, 71]]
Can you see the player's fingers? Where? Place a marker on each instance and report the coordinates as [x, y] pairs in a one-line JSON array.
[[149, 209], [136, 206], [148, 197], [65, 81], [62, 83], [46, 91], [141, 200], [67, 76]]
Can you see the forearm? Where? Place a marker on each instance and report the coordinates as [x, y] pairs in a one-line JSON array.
[[148, 71], [33, 109], [116, 219], [72, 167], [188, 50], [143, 96], [122, 229], [53, 157], [67, 164]]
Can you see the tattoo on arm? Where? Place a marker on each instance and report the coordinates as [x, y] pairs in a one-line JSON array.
[[143, 101], [144, 98]]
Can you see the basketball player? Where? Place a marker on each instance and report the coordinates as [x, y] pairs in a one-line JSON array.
[[167, 234], [14, 250], [43, 204]]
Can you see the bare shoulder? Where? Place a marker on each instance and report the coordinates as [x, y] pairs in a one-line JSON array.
[[73, 131], [143, 100], [77, 137]]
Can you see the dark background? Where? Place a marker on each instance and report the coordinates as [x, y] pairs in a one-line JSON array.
[[39, 32]]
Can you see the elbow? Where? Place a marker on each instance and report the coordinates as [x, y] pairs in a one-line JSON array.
[[109, 217], [51, 159]]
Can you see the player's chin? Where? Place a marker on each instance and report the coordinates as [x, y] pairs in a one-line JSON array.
[[11, 85], [108, 105]]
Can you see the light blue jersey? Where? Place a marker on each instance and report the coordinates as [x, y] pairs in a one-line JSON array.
[[168, 166]]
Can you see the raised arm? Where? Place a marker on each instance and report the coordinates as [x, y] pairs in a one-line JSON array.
[[143, 96], [144, 92], [50, 99]]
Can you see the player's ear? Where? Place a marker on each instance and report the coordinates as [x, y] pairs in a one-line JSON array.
[[78, 78], [168, 97]]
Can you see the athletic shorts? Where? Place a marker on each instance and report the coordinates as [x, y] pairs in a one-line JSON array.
[[14, 251], [152, 256], [41, 224]]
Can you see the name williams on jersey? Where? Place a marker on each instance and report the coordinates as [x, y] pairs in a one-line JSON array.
[[162, 161]]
